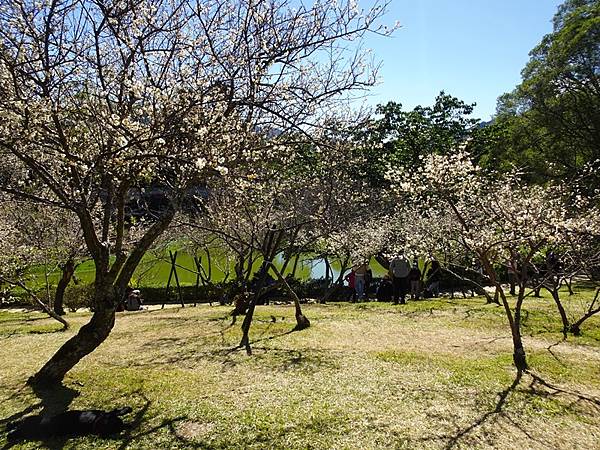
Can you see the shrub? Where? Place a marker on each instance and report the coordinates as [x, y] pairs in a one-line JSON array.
[[78, 296]]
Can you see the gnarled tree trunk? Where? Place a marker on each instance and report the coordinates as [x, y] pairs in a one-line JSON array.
[[575, 327], [301, 320], [109, 287], [68, 269], [561, 310], [89, 337]]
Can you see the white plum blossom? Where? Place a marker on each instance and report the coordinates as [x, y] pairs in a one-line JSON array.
[[165, 93], [494, 218], [222, 170], [200, 163]]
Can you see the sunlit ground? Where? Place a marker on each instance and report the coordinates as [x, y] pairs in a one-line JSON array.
[[431, 374]]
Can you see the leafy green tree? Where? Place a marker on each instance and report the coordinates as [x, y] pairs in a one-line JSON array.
[[403, 137], [551, 120]]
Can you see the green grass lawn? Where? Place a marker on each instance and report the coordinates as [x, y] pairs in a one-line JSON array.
[[431, 374]]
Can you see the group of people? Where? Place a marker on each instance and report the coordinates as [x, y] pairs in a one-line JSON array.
[[403, 279]]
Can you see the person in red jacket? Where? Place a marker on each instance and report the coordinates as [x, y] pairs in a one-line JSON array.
[[351, 279]]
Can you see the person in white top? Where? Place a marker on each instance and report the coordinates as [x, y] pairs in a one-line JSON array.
[[360, 280]]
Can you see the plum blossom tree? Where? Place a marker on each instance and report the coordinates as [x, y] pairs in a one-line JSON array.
[[260, 213], [24, 247], [497, 219], [574, 255], [100, 97], [55, 235], [355, 242]]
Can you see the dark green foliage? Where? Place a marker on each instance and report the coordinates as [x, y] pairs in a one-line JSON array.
[[550, 124], [402, 137], [78, 296]]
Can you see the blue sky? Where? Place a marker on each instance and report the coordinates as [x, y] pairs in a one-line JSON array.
[[472, 49]]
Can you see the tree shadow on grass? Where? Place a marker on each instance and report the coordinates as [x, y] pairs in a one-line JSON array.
[[166, 423], [57, 399], [537, 388], [174, 350], [182, 352], [453, 440], [53, 400], [129, 436], [555, 391]]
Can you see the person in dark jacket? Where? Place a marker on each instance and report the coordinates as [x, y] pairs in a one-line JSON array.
[[434, 275], [414, 277], [368, 281], [134, 300], [385, 290], [399, 269]]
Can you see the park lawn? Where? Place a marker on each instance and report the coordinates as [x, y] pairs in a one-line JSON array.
[[431, 374]]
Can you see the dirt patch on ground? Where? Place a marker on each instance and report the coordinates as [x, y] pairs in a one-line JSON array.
[[194, 431]]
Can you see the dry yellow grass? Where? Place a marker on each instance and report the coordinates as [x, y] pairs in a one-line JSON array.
[[434, 374]]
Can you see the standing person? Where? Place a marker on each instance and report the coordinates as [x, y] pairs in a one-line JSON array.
[[351, 279], [415, 281], [399, 268], [433, 278], [368, 281], [360, 280]]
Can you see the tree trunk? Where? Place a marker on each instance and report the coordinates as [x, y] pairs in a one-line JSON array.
[[109, 287], [68, 269], [489, 299], [561, 311], [302, 321], [569, 283], [519, 357], [245, 341], [326, 261], [89, 337], [575, 328]]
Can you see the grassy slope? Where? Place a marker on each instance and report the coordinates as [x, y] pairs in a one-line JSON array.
[[432, 374]]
